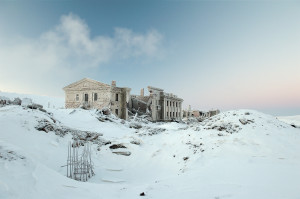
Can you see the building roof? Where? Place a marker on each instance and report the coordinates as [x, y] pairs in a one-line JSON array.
[[82, 80]]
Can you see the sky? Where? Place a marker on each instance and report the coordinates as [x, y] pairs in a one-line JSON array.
[[212, 54]]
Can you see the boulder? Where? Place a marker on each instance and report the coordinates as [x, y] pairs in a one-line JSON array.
[[17, 101], [117, 146], [35, 106]]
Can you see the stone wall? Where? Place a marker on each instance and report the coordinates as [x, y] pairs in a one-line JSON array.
[[93, 94]]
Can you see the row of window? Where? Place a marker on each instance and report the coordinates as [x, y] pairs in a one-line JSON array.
[[86, 97], [174, 103], [172, 114]]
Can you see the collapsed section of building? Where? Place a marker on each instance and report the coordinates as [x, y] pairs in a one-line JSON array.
[[160, 106]]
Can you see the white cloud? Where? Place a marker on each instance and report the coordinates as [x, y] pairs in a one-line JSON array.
[[62, 54]]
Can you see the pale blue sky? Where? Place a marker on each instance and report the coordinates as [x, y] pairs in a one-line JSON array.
[[213, 54]]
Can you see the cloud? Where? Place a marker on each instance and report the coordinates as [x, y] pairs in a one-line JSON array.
[[64, 53]]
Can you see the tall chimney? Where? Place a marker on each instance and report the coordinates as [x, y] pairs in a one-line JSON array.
[[113, 83], [142, 92]]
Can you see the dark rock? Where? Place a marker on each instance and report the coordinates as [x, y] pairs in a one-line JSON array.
[[34, 106], [43, 110], [185, 158], [142, 194], [117, 146]]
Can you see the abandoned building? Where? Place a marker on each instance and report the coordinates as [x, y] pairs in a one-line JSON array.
[[90, 93], [158, 105], [199, 114], [161, 106]]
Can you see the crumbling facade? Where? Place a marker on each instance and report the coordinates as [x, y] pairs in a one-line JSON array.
[[161, 106], [90, 93]]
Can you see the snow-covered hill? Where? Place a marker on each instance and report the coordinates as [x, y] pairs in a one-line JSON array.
[[293, 120], [236, 154], [46, 101]]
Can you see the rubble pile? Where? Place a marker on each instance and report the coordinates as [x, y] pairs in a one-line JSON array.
[[77, 135], [26, 103]]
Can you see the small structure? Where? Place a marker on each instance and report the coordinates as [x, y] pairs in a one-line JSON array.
[[79, 166], [88, 93], [161, 106]]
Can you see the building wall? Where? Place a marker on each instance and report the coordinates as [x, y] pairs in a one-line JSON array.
[[172, 108], [106, 96], [165, 106], [89, 88]]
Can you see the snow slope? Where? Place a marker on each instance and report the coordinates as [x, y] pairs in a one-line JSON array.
[[291, 119], [218, 158], [46, 101]]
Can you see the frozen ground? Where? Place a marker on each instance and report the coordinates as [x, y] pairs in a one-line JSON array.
[[236, 154]]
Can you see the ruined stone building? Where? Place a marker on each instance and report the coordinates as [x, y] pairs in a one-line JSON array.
[[90, 93], [160, 105]]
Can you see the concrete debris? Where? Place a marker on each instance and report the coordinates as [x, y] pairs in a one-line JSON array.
[[245, 121], [117, 146], [125, 153]]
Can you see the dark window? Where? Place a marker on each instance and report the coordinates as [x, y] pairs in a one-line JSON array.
[[117, 98], [86, 97], [173, 103], [173, 114], [176, 104], [95, 96], [167, 114], [117, 111], [77, 97], [167, 103], [176, 114]]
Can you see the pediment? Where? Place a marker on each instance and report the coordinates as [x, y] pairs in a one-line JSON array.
[[86, 83]]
